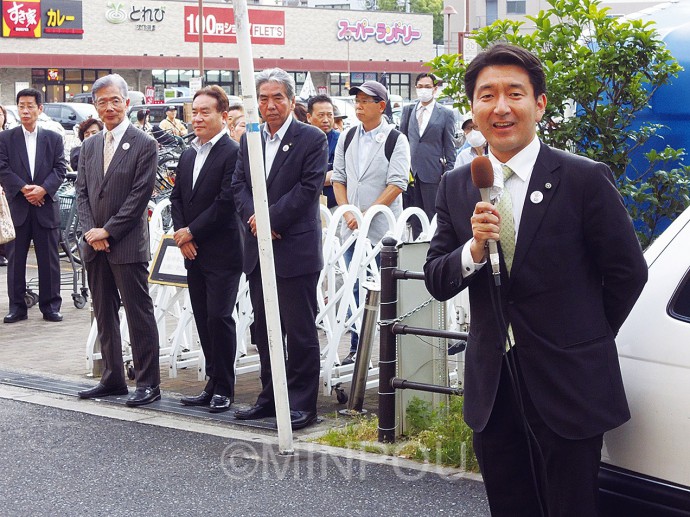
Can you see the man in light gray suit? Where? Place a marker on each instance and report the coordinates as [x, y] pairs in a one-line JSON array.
[[430, 130], [117, 169], [370, 167]]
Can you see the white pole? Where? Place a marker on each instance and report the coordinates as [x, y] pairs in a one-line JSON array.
[[263, 228]]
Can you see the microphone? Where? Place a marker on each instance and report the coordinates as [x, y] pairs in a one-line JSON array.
[[483, 179]]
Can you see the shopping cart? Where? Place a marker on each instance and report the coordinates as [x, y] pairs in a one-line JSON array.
[[70, 233]]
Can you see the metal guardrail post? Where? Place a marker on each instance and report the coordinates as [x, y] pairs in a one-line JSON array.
[[387, 353], [366, 338]]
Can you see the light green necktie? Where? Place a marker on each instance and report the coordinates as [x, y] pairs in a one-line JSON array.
[[507, 230], [507, 234]]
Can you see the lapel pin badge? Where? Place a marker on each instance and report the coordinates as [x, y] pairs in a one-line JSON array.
[[125, 146], [286, 148], [547, 186], [536, 197]]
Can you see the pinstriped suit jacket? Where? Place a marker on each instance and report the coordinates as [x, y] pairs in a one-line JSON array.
[[117, 200]]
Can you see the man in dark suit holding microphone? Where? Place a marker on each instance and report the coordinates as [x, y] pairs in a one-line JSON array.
[[542, 379], [32, 168], [295, 160], [208, 236], [117, 170]]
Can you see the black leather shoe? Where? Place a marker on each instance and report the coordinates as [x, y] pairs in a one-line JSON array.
[[301, 419], [52, 316], [203, 399], [255, 412], [350, 359], [99, 391], [220, 403], [144, 395], [14, 317]]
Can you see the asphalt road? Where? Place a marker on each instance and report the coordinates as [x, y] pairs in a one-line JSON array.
[[55, 462]]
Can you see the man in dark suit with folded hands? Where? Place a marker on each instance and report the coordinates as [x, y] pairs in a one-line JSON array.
[[542, 379], [208, 236], [32, 168], [296, 159], [117, 170]]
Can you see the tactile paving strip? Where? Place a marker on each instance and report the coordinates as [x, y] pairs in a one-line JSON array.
[[167, 404]]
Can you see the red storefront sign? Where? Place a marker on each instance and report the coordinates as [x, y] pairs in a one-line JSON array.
[[267, 27], [21, 19]]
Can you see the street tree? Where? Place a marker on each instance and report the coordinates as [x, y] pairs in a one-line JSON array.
[[601, 72]]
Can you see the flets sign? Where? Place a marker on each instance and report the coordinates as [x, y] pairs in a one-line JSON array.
[[266, 27]]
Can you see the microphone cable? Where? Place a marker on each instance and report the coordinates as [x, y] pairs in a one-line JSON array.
[[513, 371]]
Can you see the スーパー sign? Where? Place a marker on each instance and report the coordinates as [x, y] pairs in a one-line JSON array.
[[267, 27]]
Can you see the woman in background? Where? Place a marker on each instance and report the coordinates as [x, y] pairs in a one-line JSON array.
[[90, 127]]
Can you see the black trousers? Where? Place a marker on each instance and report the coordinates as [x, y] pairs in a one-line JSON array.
[[213, 293], [566, 471], [424, 197], [297, 301], [110, 284], [46, 248]]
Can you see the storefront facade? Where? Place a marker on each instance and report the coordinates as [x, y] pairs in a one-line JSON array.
[[62, 46]]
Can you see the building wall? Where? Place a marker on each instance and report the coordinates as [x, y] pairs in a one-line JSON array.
[[310, 34]]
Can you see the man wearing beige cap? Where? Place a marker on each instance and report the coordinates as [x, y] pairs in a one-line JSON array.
[[371, 165]]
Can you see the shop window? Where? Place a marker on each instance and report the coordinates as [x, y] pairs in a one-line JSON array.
[[516, 6], [340, 83], [73, 75], [399, 84]]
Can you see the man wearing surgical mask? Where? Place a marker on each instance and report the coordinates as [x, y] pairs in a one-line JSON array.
[[429, 128], [477, 143]]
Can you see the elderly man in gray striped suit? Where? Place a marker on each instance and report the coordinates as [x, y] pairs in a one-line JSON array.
[[117, 169]]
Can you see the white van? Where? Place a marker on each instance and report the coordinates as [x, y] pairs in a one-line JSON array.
[[646, 462]]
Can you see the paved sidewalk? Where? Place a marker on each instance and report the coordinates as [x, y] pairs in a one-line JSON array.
[[59, 350]]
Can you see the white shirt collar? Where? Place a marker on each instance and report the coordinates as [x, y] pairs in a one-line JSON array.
[[119, 130], [428, 107], [196, 143], [374, 131], [28, 134], [523, 162], [281, 132]]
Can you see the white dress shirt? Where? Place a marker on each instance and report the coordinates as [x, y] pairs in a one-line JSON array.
[[273, 144], [30, 141], [522, 165], [426, 115], [118, 132], [202, 152]]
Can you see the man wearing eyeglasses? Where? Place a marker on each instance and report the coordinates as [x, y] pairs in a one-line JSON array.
[[117, 169], [430, 129], [32, 167], [369, 170]]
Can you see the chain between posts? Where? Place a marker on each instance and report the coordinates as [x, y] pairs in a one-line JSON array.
[[407, 314]]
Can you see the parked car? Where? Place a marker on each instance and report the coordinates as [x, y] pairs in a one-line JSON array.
[[156, 112], [86, 98], [69, 114], [135, 98], [44, 121], [646, 462]]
